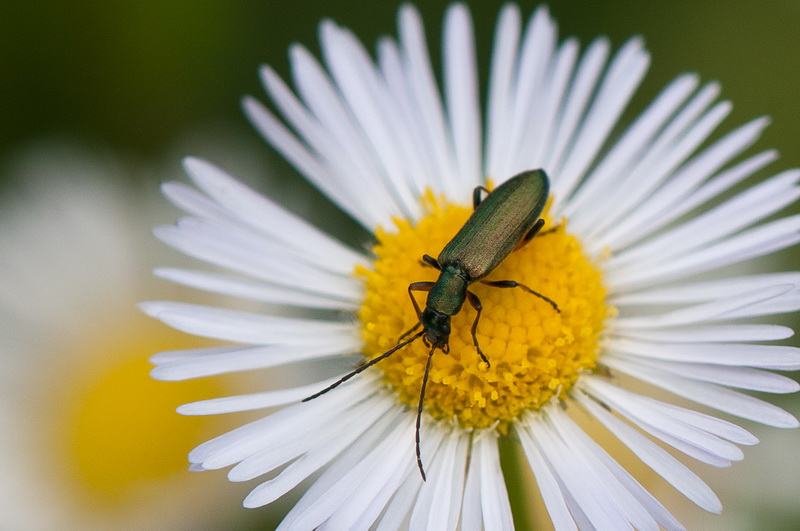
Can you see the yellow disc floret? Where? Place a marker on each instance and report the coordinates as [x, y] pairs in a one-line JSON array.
[[536, 353]]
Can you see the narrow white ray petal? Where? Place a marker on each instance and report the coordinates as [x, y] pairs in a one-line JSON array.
[[242, 327], [345, 476], [356, 417], [349, 153], [461, 94], [720, 288], [676, 201], [361, 91], [316, 171], [549, 487], [191, 200], [661, 163], [245, 440], [740, 377], [749, 207], [711, 395], [675, 472], [761, 240], [647, 512], [710, 311], [535, 142], [246, 359], [712, 425], [419, 155], [576, 476], [634, 502], [668, 199], [360, 498], [169, 356], [655, 420], [316, 458], [248, 254], [527, 91], [270, 218], [727, 354], [256, 290], [580, 90], [364, 505], [495, 506], [709, 334], [381, 498], [432, 445], [692, 173], [502, 68], [398, 510], [231, 404], [426, 98], [471, 519], [633, 143], [619, 82], [444, 486], [580, 476]]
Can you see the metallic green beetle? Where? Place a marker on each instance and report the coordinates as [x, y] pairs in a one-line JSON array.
[[506, 219]]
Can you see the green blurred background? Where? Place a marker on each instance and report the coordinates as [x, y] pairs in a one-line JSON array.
[[134, 76], [150, 81]]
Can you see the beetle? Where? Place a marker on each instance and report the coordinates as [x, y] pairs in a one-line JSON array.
[[505, 220]]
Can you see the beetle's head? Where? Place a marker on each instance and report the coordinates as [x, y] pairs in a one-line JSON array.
[[437, 328]]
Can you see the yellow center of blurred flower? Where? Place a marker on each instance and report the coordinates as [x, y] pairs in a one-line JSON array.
[[115, 434], [535, 352]]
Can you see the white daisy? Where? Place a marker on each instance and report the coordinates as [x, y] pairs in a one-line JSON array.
[[638, 260]]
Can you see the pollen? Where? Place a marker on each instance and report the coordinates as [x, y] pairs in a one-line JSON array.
[[535, 353]]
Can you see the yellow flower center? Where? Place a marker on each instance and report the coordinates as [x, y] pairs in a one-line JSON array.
[[535, 352]]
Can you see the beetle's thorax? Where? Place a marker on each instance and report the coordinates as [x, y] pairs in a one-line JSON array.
[[448, 293]]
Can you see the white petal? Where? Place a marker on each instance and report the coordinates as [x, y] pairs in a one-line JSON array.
[[255, 290], [675, 472], [268, 217], [712, 395], [242, 327], [549, 486], [230, 404], [709, 334], [726, 307], [461, 94], [729, 354], [495, 505]]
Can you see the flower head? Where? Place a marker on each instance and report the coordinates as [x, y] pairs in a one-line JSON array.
[[629, 281]]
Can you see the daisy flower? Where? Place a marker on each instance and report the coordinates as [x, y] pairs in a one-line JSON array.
[[88, 439], [643, 235]]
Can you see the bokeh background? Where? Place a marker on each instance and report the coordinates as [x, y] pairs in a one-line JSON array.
[[98, 103]]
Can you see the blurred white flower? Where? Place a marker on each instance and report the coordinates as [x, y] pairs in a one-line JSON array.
[[87, 439]]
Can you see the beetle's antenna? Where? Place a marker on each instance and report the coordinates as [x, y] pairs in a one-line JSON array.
[[419, 410], [364, 367]]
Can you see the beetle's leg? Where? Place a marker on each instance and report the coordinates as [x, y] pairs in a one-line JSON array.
[[530, 234], [416, 286], [419, 411], [515, 284], [476, 196], [475, 302], [431, 261]]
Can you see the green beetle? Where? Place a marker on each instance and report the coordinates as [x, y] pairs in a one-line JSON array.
[[505, 220]]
